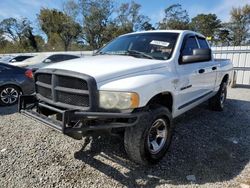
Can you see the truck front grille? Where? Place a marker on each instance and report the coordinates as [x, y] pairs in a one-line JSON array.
[[65, 91], [74, 83], [73, 99], [45, 92], [44, 78]]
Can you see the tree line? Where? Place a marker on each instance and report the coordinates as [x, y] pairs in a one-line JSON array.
[[89, 24]]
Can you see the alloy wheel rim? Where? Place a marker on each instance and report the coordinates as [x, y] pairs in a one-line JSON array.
[[222, 98], [157, 136], [9, 95]]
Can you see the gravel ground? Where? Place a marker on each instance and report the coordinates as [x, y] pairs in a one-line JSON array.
[[209, 149]]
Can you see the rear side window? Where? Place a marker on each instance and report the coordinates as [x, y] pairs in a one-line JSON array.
[[20, 58], [61, 57], [56, 58], [68, 57], [203, 43], [190, 44]]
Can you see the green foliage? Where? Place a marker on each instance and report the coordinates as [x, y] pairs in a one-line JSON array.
[[96, 17], [147, 26], [102, 22], [54, 22], [239, 25], [17, 35], [175, 18], [223, 37], [89, 24], [206, 24], [129, 17]]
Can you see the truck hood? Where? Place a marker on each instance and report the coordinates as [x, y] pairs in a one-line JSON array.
[[106, 67]]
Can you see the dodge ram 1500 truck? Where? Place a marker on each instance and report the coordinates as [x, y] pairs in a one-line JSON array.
[[135, 86]]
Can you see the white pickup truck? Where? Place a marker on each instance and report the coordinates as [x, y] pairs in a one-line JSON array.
[[135, 86]]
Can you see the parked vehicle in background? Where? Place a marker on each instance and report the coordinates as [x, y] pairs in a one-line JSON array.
[[14, 81], [14, 59], [53, 59], [134, 86], [44, 58]]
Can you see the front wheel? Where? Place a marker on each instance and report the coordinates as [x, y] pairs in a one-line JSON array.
[[148, 141], [9, 95]]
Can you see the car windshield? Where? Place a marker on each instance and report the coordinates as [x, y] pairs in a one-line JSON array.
[[158, 46]]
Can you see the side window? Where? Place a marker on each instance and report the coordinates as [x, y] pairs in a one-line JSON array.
[[203, 43], [68, 57], [190, 44], [55, 58], [20, 58]]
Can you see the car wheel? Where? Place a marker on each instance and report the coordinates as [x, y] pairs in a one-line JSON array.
[[216, 103], [9, 95], [148, 141]]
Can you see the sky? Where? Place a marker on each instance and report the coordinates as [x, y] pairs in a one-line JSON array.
[[154, 9]]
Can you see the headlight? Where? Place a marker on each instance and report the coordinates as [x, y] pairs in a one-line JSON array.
[[118, 100]]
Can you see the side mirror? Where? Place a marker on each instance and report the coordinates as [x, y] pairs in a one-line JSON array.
[[47, 61], [199, 55], [13, 61]]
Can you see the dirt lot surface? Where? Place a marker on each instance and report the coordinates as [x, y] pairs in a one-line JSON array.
[[209, 149]]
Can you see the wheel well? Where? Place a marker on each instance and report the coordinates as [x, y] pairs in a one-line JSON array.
[[225, 79], [164, 99], [12, 85]]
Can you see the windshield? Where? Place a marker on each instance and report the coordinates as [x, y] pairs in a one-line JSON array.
[[143, 45]]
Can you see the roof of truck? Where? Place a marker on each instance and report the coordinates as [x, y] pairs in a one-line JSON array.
[[167, 31]]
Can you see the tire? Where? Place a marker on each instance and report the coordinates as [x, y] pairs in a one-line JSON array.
[[140, 141], [216, 103], [9, 95]]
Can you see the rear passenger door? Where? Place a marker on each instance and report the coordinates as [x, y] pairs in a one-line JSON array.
[[210, 67]]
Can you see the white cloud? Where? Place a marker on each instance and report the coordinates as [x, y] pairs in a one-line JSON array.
[[222, 9]]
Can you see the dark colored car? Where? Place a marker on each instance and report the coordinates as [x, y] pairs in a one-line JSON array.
[[14, 81]]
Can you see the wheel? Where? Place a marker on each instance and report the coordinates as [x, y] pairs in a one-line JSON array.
[[148, 141], [216, 103], [9, 95]]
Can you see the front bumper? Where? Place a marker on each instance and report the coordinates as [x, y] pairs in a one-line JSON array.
[[74, 122]]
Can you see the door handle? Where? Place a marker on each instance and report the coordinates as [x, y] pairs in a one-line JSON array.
[[201, 71], [214, 68]]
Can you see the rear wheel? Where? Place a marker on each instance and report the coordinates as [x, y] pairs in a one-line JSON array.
[[148, 141], [9, 95], [216, 103]]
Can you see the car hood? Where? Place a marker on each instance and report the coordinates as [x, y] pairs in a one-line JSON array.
[[106, 67]]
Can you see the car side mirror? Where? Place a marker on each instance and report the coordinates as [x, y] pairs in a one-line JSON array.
[[13, 61], [199, 55], [47, 61]]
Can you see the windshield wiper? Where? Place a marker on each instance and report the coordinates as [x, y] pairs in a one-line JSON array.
[[127, 52], [135, 52]]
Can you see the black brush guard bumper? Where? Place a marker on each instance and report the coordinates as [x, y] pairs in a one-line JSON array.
[[28, 106]]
